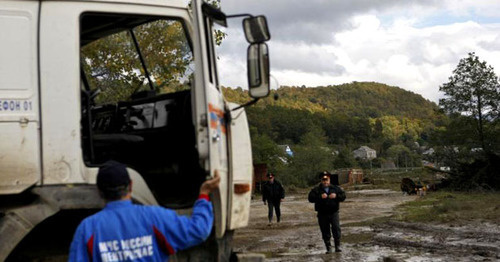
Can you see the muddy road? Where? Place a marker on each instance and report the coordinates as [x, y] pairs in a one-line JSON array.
[[297, 237]]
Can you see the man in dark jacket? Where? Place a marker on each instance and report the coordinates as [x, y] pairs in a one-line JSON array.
[[273, 192], [326, 198]]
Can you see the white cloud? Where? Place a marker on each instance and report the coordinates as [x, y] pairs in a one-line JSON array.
[[413, 46], [306, 58]]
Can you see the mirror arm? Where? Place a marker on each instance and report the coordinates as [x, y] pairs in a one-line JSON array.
[[239, 15], [246, 104]]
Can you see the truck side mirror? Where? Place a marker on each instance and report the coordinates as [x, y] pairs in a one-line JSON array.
[[258, 70], [256, 30]]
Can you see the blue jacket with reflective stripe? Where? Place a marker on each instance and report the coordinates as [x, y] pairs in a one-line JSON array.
[[123, 231]]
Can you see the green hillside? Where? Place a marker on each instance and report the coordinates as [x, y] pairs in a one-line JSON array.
[[323, 125], [349, 115], [362, 99]]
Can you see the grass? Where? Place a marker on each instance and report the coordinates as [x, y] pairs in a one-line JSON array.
[[442, 206], [450, 206]]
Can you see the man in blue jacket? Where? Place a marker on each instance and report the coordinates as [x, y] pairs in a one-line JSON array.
[[123, 231], [326, 198]]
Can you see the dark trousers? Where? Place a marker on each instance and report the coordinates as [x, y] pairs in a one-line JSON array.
[[329, 225], [276, 206]]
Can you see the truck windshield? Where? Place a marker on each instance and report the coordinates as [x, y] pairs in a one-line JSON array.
[[123, 58]]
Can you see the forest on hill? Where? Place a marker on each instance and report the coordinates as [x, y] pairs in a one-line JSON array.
[[361, 99], [323, 125]]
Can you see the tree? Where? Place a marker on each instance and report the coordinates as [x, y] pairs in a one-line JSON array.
[[264, 150], [345, 159], [378, 129], [310, 157], [473, 90], [401, 154]]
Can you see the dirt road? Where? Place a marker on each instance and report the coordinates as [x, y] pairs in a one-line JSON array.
[[297, 237]]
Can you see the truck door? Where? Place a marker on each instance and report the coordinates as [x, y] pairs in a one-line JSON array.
[[209, 113], [19, 118]]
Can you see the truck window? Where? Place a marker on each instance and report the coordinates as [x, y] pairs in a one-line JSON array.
[[136, 101], [113, 68]]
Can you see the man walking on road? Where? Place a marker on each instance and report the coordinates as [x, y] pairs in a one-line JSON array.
[[123, 231], [326, 198], [274, 193]]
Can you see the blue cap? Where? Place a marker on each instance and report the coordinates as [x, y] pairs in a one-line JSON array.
[[112, 174]]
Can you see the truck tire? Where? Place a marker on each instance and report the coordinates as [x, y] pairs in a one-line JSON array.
[[212, 250]]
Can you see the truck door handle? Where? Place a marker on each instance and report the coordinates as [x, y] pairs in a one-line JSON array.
[[24, 121]]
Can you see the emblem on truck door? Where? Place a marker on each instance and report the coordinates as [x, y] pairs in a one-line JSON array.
[[217, 118]]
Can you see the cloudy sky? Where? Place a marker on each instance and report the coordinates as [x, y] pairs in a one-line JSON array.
[[407, 43]]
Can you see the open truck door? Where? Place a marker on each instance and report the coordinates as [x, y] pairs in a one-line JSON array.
[[232, 201], [211, 131]]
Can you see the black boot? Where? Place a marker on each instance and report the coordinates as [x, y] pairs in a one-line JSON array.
[[328, 247], [337, 245]]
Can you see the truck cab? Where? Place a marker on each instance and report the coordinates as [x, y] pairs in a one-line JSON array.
[[83, 82]]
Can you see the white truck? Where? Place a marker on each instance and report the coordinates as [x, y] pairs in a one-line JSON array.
[[83, 82]]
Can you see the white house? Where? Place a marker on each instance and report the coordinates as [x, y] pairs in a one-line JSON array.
[[429, 152], [365, 152]]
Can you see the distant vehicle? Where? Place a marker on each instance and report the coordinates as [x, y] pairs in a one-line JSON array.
[[82, 82], [408, 186]]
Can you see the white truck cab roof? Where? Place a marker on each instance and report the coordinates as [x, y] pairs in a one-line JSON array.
[[170, 3]]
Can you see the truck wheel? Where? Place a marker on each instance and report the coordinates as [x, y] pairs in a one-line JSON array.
[[59, 229], [212, 250]]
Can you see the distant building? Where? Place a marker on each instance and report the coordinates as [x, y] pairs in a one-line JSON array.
[[429, 152], [365, 152], [286, 149]]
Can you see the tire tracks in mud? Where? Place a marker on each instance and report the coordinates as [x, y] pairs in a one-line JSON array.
[[459, 241], [297, 237]]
